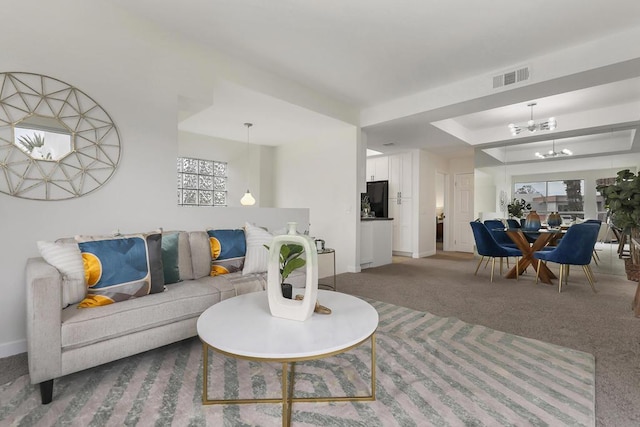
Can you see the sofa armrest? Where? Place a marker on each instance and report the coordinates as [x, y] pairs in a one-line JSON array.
[[44, 320]]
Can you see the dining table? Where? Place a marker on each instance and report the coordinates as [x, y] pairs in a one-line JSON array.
[[543, 237]]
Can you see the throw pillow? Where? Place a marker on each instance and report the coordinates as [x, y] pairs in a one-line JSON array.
[[67, 259], [257, 257], [121, 268], [228, 248], [170, 257]]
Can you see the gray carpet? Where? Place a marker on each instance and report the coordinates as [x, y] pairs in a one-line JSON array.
[[601, 324], [431, 371]]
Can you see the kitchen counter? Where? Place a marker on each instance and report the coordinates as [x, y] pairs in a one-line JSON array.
[[376, 235], [373, 218]]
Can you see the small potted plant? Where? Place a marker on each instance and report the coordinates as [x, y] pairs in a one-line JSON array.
[[622, 198], [290, 260], [517, 207]]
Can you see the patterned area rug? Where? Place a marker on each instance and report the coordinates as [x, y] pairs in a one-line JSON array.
[[430, 371]]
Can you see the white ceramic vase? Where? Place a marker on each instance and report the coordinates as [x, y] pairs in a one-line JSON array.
[[279, 305]]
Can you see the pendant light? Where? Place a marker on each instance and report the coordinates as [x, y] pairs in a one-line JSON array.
[[247, 199]]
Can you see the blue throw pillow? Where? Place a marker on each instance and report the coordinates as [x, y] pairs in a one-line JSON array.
[[228, 249], [121, 268]]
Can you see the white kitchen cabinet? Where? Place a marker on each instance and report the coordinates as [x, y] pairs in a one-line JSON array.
[[400, 201], [378, 168], [401, 210], [366, 243], [400, 175], [375, 242]]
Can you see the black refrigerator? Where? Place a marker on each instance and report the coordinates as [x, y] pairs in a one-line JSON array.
[[378, 192]]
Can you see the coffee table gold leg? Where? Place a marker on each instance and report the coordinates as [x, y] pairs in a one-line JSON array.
[[373, 366], [287, 392], [205, 373]]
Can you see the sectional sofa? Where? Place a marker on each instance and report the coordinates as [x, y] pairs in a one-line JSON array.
[[64, 340]]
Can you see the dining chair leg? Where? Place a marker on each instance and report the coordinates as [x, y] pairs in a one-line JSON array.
[[493, 266], [487, 263], [593, 256], [589, 274], [538, 271], [501, 258], [560, 278], [595, 252], [480, 262], [517, 262]]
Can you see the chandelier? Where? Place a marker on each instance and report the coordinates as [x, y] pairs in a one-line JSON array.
[[531, 125], [553, 153]]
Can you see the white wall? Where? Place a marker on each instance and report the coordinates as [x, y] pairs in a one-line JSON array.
[[138, 74], [246, 165], [331, 192]]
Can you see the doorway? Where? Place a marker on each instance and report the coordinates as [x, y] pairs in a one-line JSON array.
[[440, 210]]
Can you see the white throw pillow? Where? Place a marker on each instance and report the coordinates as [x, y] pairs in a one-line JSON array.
[[257, 257], [66, 257]]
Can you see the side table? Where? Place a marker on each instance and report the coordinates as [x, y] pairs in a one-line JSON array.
[[323, 256]]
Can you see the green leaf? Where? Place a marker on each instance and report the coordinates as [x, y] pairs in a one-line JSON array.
[[292, 265]]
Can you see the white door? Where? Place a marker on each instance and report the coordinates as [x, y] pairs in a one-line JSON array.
[[463, 212]]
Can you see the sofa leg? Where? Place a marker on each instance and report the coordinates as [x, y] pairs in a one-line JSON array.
[[46, 391]]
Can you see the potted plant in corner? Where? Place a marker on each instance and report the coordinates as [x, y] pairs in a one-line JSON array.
[[622, 199], [290, 259]]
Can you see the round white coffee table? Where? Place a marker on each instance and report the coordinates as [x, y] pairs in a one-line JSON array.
[[242, 327]]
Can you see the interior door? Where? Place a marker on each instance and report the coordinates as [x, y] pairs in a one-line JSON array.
[[463, 212]]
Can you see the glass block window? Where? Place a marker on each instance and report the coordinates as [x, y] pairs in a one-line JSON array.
[[201, 182]]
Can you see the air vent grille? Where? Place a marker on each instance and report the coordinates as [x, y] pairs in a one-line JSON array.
[[511, 77]]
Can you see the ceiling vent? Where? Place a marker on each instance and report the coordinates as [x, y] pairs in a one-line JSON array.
[[511, 77]]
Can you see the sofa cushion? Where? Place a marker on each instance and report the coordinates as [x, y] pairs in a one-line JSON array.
[[67, 259], [228, 248], [184, 256], [200, 253], [257, 258], [121, 268], [183, 300], [170, 257]]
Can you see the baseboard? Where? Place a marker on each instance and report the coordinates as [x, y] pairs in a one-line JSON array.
[[353, 269], [12, 348], [424, 254]]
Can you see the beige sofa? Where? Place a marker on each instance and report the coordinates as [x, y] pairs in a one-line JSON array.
[[63, 341]]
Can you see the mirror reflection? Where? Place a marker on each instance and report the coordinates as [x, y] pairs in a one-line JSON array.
[[43, 138]]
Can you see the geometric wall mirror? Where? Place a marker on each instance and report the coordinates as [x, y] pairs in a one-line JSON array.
[[56, 142]]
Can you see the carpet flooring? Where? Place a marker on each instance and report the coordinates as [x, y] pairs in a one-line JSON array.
[[431, 371]]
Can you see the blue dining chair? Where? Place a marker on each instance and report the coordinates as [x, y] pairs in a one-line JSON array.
[[575, 248], [487, 246], [595, 255], [496, 227]]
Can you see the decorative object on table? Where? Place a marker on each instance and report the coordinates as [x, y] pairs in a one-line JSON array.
[[365, 206], [320, 309], [622, 199], [532, 223], [56, 142], [278, 305], [517, 207], [320, 244], [554, 220]]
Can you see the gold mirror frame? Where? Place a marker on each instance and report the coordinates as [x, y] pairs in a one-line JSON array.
[[95, 139]]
